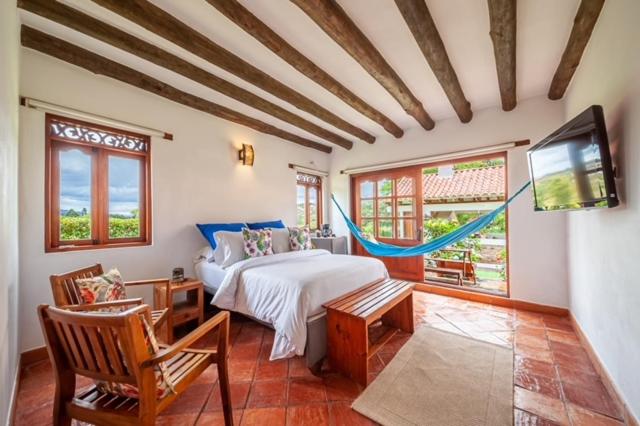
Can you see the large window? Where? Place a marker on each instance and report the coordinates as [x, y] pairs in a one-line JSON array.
[[309, 200], [97, 186]]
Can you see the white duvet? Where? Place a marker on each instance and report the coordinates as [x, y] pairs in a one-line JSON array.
[[287, 288]]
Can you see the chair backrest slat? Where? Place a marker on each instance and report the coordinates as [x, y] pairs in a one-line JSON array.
[[99, 350], [63, 285], [99, 345], [117, 365], [85, 348]]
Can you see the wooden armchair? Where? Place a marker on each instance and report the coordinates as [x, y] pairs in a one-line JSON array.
[[111, 347], [65, 294]]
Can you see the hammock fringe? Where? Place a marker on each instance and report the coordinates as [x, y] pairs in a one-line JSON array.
[[387, 250]]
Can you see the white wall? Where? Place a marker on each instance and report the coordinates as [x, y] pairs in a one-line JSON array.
[[8, 203], [196, 178], [604, 246], [537, 241]]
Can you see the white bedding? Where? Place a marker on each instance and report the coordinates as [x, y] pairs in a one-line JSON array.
[[210, 274], [287, 288]]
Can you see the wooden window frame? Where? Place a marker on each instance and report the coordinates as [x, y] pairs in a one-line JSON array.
[[100, 154], [395, 219], [307, 205]]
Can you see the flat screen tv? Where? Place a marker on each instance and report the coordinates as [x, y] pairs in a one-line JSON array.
[[571, 168]]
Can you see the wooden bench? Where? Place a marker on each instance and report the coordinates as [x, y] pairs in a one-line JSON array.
[[349, 317], [456, 272]]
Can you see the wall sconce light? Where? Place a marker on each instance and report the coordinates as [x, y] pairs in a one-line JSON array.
[[246, 155]]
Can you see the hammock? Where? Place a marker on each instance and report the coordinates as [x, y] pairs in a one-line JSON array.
[[387, 250]]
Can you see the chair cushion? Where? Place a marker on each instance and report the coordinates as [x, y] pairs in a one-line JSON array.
[[101, 288], [257, 243], [164, 385], [300, 239]]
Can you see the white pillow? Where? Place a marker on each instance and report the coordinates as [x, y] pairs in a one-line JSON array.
[[280, 240], [204, 254], [229, 248]]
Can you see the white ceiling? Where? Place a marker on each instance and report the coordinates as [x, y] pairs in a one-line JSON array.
[[543, 28]]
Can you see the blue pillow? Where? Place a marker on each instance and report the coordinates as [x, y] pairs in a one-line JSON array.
[[209, 229], [262, 225]]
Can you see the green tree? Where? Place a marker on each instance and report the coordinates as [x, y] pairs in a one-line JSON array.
[[72, 213]]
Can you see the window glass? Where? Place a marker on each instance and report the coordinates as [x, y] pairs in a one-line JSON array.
[[313, 208], [385, 228], [124, 197], [301, 212], [366, 189], [385, 208], [75, 195], [405, 207], [366, 208], [385, 188]]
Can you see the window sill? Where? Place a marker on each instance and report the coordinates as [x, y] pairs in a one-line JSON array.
[[96, 246]]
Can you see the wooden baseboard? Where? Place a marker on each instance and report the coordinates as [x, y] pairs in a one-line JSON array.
[[492, 300], [33, 355], [613, 390], [26, 358]]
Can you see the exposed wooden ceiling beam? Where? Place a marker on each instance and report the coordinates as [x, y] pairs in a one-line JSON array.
[[90, 26], [583, 25], [416, 15], [503, 19], [156, 20], [97, 64], [242, 17], [334, 21]]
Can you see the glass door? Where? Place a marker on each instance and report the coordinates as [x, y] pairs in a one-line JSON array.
[[388, 207]]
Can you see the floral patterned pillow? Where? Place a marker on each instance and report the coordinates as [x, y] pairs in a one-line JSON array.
[[257, 242], [300, 239], [102, 288], [164, 385]]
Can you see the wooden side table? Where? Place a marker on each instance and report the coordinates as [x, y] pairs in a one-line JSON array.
[[192, 308]]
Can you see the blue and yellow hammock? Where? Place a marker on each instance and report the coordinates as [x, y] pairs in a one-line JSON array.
[[387, 250]]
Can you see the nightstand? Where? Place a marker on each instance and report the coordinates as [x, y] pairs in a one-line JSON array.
[[182, 311], [336, 245]]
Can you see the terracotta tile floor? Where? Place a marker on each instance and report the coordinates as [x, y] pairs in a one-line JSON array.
[[554, 381]]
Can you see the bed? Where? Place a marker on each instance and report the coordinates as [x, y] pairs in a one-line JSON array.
[[286, 291]]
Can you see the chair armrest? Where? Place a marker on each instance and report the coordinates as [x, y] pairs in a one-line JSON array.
[[102, 305], [147, 282], [182, 344]]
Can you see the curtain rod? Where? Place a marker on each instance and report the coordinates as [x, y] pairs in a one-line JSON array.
[[304, 169], [98, 119], [433, 158]]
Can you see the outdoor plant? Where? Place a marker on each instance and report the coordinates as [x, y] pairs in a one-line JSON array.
[[79, 227]]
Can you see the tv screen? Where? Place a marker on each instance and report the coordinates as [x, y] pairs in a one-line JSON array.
[[571, 168]]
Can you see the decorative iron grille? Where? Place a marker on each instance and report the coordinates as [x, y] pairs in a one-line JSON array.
[[304, 178], [73, 131]]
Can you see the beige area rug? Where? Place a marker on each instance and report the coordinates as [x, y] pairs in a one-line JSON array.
[[442, 379]]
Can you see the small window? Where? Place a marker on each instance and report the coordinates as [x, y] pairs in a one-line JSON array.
[[97, 186], [309, 200]]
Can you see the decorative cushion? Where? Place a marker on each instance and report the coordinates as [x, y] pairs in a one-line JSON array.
[[229, 248], [276, 224], [102, 288], [164, 385], [300, 239], [257, 242], [209, 230], [280, 240]]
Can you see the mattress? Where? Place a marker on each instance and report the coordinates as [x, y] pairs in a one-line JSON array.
[[211, 275]]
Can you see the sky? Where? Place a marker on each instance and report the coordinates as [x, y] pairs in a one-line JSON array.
[[75, 185]]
